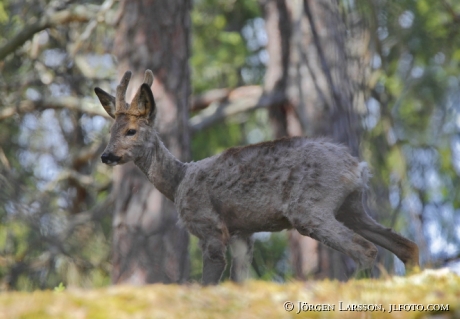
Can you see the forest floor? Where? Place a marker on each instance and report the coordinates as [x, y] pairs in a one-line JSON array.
[[416, 296]]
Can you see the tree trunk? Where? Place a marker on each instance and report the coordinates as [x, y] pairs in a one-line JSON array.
[[148, 244]]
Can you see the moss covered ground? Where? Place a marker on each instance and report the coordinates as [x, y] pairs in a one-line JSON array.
[[367, 298]]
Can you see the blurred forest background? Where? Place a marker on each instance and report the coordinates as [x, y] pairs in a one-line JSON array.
[[380, 76]]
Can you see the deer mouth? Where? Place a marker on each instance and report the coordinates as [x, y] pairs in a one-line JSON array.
[[110, 159]]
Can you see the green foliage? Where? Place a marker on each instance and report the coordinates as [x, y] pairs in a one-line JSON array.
[[409, 148], [270, 258], [42, 242], [234, 131], [219, 50], [216, 139], [269, 261], [59, 288], [3, 14]]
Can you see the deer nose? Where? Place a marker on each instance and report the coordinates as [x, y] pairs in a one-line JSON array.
[[105, 158], [109, 158]]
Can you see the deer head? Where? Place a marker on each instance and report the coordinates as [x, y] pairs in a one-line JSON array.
[[133, 122]]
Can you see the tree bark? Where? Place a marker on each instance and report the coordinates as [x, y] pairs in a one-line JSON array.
[[148, 244], [278, 27]]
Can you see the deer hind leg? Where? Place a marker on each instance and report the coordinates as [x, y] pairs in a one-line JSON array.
[[213, 250], [241, 248], [353, 215], [323, 227]]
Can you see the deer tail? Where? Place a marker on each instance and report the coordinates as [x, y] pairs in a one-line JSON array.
[[365, 174]]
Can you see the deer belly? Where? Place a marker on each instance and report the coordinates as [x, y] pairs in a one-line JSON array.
[[250, 217]]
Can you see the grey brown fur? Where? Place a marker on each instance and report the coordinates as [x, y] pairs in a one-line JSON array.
[[312, 185]]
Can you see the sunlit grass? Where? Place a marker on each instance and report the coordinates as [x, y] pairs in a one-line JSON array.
[[253, 299]]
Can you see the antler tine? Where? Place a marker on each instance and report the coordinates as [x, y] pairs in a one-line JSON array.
[[148, 77], [121, 90]]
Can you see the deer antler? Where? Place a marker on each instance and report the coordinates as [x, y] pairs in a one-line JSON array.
[[121, 91], [148, 77]]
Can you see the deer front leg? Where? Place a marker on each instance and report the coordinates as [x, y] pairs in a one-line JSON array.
[[213, 250], [241, 248]]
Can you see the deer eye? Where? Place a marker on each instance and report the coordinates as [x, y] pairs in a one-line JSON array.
[[131, 132]]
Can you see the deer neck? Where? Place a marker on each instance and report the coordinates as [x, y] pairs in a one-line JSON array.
[[162, 168]]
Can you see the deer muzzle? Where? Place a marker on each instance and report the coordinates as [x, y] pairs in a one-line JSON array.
[[110, 159]]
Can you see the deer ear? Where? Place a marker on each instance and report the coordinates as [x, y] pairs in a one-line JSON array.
[[146, 102], [107, 101]]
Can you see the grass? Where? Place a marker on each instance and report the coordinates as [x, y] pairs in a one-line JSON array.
[[253, 299]]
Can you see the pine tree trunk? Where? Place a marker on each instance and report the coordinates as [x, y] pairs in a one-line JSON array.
[[148, 244]]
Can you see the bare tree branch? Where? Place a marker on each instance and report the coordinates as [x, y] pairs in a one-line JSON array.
[[455, 16], [91, 26], [202, 101], [240, 100], [4, 159], [218, 105], [88, 154], [82, 180], [87, 106], [76, 13]]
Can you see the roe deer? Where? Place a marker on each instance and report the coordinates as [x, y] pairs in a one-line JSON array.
[[312, 185]]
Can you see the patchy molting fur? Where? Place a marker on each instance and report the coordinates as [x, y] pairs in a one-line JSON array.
[[255, 188], [312, 185]]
